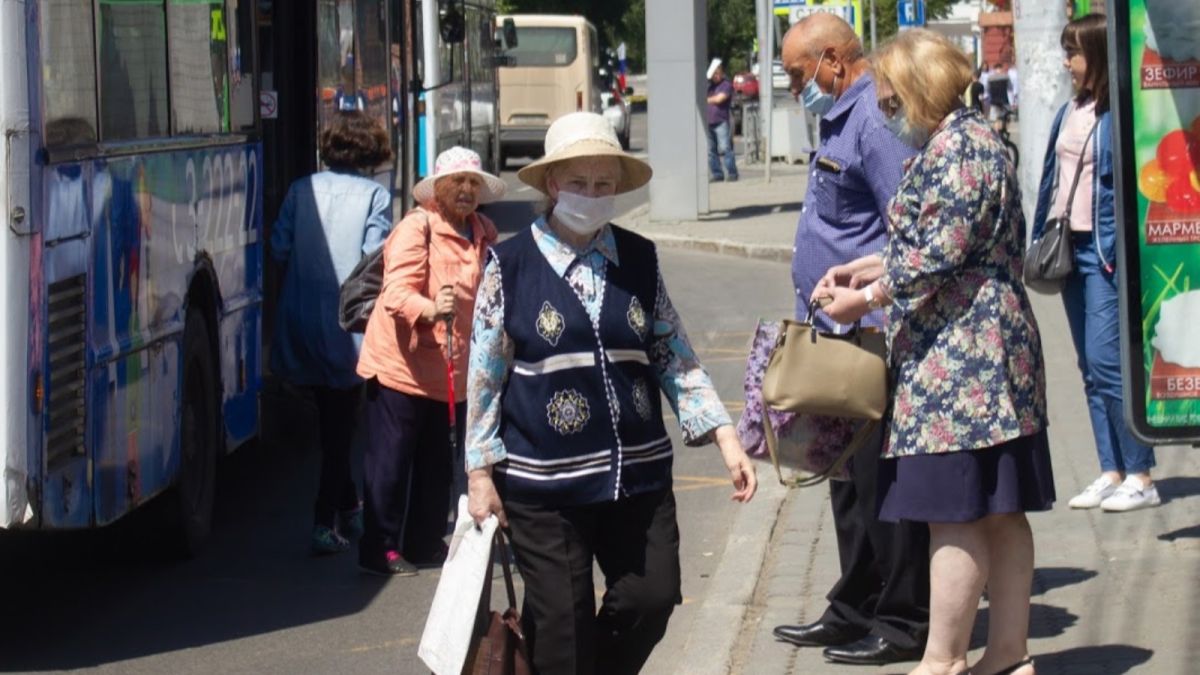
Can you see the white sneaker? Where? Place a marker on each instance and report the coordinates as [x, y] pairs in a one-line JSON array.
[[1131, 496], [1091, 497]]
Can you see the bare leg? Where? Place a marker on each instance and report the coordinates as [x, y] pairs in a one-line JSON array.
[[1011, 544], [958, 568]]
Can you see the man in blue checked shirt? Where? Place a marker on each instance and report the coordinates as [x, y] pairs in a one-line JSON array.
[[879, 610]]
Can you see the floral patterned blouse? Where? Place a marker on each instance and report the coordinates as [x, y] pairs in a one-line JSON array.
[[682, 378], [966, 357]]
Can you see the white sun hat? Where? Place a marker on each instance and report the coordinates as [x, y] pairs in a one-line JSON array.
[[585, 134], [460, 160], [712, 68]]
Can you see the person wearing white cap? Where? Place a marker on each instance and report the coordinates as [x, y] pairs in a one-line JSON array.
[[720, 130], [432, 267], [575, 342]]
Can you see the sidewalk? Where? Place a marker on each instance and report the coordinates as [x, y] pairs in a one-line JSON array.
[[1112, 593], [749, 217]]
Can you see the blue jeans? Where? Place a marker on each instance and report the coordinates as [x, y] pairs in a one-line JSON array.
[[1090, 298], [720, 142]]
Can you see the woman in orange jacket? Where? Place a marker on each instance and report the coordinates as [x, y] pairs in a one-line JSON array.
[[433, 261]]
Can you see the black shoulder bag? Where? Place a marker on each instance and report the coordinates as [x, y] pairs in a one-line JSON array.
[[1051, 258], [356, 297]]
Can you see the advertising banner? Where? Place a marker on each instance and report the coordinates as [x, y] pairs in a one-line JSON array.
[[1155, 56], [850, 10]]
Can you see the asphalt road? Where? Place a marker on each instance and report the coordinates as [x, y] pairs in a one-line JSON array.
[[256, 601], [111, 601]]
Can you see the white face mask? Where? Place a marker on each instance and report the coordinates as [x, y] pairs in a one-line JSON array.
[[584, 215]]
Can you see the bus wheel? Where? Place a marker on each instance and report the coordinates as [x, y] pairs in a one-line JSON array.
[[198, 440]]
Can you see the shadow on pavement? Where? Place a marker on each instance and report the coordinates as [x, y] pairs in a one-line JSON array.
[[1097, 660], [88, 598], [754, 210], [1045, 621], [1192, 532], [1046, 579], [1177, 487]]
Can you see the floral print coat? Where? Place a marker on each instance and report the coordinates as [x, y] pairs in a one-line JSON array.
[[966, 357]]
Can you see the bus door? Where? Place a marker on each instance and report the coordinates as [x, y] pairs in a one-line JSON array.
[[320, 56]]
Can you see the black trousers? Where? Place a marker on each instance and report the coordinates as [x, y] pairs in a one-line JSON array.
[[408, 470], [884, 588], [337, 417], [636, 543]]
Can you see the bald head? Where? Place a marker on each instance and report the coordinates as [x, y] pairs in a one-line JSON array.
[[823, 31], [822, 38]]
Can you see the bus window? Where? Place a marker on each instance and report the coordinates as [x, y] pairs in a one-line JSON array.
[[335, 59], [133, 70], [371, 48], [243, 103], [68, 72], [199, 66], [544, 46]]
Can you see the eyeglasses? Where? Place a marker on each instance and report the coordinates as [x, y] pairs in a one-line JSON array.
[[889, 106]]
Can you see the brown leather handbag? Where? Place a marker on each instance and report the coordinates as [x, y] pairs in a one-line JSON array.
[[499, 647], [813, 372]]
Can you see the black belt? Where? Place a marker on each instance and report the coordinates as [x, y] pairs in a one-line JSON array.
[[1081, 238]]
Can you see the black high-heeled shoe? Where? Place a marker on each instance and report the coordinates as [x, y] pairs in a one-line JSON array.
[[1009, 670], [1028, 661]]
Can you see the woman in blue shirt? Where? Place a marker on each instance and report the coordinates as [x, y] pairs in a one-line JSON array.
[[328, 221]]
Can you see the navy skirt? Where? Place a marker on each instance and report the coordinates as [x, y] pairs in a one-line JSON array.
[[963, 486]]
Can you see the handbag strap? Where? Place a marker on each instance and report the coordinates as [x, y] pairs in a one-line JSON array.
[[1079, 172], [501, 552], [856, 442]]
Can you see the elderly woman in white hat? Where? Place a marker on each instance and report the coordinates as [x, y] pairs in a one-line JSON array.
[[433, 261], [574, 341]]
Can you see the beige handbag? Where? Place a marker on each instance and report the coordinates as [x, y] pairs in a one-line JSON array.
[[813, 372]]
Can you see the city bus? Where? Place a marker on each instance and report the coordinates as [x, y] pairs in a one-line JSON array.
[[462, 110], [551, 71], [147, 147]]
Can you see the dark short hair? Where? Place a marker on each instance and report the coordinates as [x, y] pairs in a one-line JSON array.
[[354, 140], [1089, 34]]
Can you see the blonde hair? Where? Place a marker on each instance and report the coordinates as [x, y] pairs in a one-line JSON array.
[[926, 71]]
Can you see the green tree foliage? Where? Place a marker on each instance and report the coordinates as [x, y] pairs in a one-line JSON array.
[[731, 23], [731, 32]]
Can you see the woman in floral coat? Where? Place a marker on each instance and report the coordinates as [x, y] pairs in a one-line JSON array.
[[967, 448]]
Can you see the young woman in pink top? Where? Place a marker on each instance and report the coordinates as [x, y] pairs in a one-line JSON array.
[[433, 261], [1082, 138]]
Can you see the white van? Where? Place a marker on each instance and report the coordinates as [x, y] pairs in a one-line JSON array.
[[551, 71]]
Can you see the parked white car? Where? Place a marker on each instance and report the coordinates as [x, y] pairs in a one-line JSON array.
[[614, 105]]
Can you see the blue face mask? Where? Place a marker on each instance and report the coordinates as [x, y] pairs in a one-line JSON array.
[[910, 135], [815, 100]]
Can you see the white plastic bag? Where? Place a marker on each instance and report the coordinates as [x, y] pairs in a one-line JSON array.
[[451, 620]]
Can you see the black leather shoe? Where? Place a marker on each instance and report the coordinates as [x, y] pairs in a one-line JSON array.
[[873, 651], [818, 634]]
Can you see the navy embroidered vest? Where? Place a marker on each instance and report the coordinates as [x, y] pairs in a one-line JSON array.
[[581, 412]]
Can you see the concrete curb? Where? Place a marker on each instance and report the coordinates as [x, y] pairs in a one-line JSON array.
[[781, 254], [636, 218], [716, 627]]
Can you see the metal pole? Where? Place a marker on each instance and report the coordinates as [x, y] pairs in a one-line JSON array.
[[872, 25], [1038, 26], [769, 67]]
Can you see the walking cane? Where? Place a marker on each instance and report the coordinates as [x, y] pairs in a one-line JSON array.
[[449, 319]]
